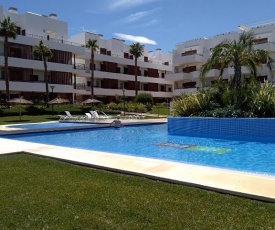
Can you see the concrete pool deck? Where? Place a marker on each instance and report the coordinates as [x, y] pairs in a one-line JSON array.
[[255, 186]]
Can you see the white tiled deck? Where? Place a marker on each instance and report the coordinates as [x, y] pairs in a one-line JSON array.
[[251, 185]]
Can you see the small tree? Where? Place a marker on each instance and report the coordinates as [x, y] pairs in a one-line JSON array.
[[42, 51], [92, 45], [237, 53], [146, 99], [136, 50], [8, 30]]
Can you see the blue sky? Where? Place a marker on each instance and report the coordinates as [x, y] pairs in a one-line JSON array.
[[155, 23]]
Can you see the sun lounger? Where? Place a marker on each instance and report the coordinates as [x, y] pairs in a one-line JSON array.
[[105, 115], [69, 117], [89, 117], [97, 116]]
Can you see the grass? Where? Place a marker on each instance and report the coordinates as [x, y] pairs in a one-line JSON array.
[[27, 119], [41, 193], [160, 110]]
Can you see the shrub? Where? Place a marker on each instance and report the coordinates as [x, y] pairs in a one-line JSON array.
[[35, 110], [256, 100], [146, 99]]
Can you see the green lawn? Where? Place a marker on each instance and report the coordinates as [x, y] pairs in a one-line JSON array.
[[27, 119], [160, 110], [41, 193]]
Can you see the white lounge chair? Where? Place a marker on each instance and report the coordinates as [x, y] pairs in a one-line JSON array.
[[141, 116], [97, 116], [107, 116], [89, 117], [69, 116]]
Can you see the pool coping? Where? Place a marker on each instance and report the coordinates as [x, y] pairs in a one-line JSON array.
[[254, 186], [6, 130]]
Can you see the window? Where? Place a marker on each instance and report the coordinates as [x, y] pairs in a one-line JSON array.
[[189, 85], [189, 52], [98, 83], [34, 78], [260, 41], [121, 85], [145, 73], [144, 87], [189, 69]]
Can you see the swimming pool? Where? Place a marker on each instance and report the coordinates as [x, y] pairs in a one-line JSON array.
[[153, 141], [49, 125]]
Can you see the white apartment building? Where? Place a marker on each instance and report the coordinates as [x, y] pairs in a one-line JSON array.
[[190, 55], [69, 69]]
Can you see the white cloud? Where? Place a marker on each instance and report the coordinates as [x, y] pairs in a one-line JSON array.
[[133, 38], [137, 16], [118, 4], [150, 23]]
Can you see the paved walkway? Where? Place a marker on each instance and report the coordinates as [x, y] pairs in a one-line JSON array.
[[250, 185]]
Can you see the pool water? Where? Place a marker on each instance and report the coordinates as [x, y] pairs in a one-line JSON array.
[[48, 125], [153, 141]]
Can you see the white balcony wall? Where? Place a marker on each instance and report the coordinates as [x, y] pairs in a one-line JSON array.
[[213, 73], [178, 76], [195, 58], [34, 64], [123, 61], [41, 25], [266, 46], [178, 92], [128, 93], [35, 87], [126, 77]]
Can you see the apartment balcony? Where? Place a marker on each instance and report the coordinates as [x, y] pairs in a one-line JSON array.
[[269, 46], [111, 92], [119, 59], [53, 43], [230, 72], [194, 58], [34, 64], [178, 92], [34, 87], [213, 73], [178, 76], [119, 76]]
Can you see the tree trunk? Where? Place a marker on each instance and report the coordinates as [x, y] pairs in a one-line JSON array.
[[136, 82], [238, 81], [92, 72], [46, 79], [7, 72]]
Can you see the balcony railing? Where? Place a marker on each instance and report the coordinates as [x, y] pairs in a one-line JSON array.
[[79, 66], [81, 86], [40, 37], [53, 39]]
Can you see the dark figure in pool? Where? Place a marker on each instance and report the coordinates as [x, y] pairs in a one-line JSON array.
[[117, 122]]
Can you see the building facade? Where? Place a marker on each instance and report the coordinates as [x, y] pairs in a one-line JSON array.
[[69, 69], [163, 75], [189, 56]]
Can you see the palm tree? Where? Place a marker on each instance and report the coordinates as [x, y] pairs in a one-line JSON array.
[[92, 44], [136, 50], [8, 30], [42, 51], [237, 54]]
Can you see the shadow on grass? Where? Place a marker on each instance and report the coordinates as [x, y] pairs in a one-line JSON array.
[[52, 118], [17, 121]]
